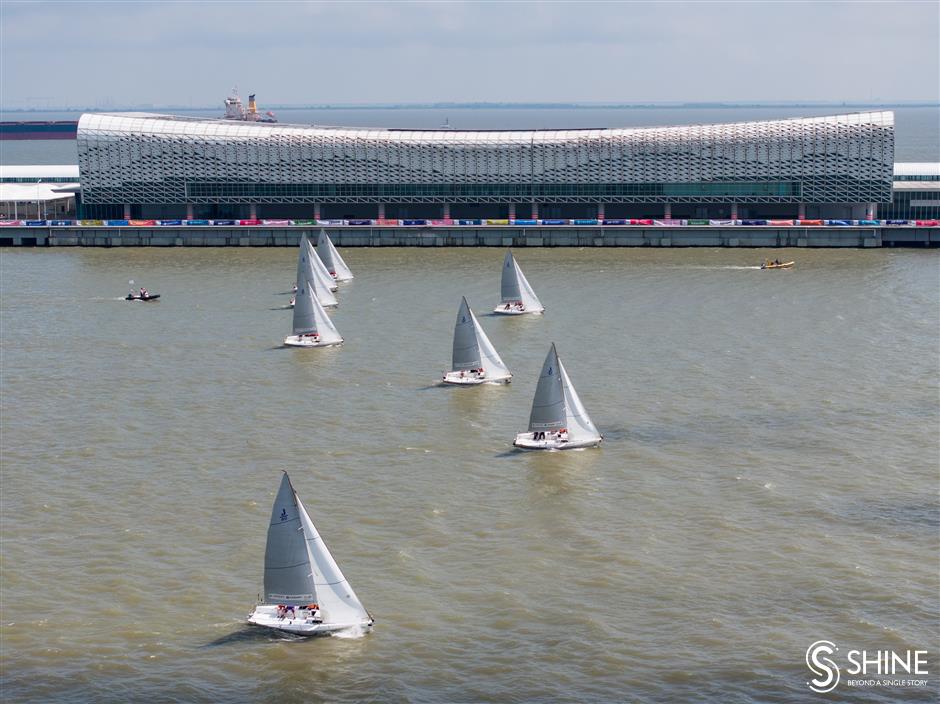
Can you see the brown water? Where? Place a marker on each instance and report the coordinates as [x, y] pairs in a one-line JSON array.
[[769, 475]]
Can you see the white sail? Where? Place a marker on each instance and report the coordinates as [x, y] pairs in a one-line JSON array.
[[529, 299], [310, 317], [579, 424], [492, 362], [509, 284], [320, 269], [331, 258], [548, 405], [307, 271], [336, 598], [466, 351], [288, 577]]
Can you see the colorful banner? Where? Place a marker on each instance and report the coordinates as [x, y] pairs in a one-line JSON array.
[[810, 223], [388, 222], [839, 223], [228, 223], [643, 221], [358, 222], [585, 221], [331, 222], [303, 223], [446, 222], [142, 223], [927, 223], [555, 222], [722, 223], [697, 222], [35, 223], [524, 222], [409, 223], [251, 222], [615, 222], [197, 222], [470, 222], [10, 223], [91, 223], [781, 223], [496, 222], [754, 222], [61, 223], [168, 223], [897, 222], [869, 222], [280, 223], [117, 223]]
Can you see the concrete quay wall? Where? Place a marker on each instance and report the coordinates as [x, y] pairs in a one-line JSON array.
[[367, 236]]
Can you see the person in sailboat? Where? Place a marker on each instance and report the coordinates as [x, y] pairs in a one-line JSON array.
[[143, 292]]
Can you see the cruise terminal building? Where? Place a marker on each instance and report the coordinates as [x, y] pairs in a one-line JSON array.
[[139, 165]]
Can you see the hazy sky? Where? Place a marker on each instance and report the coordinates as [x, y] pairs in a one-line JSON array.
[[129, 53]]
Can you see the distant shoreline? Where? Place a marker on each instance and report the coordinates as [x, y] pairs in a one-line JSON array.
[[503, 106]]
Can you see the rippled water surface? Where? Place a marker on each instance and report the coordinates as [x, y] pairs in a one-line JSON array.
[[769, 475]]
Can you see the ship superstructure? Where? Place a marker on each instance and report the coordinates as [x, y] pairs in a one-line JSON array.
[[234, 110]]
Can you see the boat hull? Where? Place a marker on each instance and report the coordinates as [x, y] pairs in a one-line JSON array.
[[784, 265], [303, 624], [301, 341], [341, 278], [526, 441], [501, 310], [149, 298], [466, 379]]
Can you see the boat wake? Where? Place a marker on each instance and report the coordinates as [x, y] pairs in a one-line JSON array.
[[351, 633]]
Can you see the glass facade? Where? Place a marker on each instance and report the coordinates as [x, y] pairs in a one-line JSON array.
[[150, 160]]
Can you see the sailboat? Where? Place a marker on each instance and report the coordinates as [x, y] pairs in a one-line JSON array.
[[331, 258], [558, 420], [306, 249], [307, 271], [312, 326], [475, 360], [304, 590], [516, 294]]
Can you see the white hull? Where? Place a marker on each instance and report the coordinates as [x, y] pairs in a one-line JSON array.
[[468, 379], [333, 287], [336, 277], [301, 622], [526, 441], [325, 305], [515, 310], [303, 341]]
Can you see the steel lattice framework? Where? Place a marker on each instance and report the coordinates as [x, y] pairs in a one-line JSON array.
[[159, 159]]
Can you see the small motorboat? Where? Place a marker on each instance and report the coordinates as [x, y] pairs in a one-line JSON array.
[[138, 297], [777, 265]]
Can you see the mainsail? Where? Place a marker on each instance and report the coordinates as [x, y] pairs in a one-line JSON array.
[[509, 286], [319, 268], [466, 354], [331, 258], [580, 426], [514, 286], [288, 577], [309, 316], [492, 362], [307, 271], [548, 406], [336, 598]]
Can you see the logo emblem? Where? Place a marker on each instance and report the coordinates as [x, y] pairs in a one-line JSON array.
[[550, 371], [826, 671], [283, 514]]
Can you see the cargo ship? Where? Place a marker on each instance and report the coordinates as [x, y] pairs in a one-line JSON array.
[[39, 129], [235, 111]]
